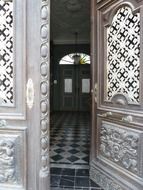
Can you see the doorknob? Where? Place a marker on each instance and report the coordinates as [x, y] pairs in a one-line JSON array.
[[30, 93]]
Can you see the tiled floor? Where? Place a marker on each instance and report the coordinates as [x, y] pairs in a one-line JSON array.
[[71, 179], [70, 151], [70, 139]]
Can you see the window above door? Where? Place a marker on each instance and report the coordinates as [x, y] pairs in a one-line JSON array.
[[70, 59]]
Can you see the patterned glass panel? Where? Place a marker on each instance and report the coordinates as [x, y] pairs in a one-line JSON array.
[[69, 59], [123, 55], [6, 53]]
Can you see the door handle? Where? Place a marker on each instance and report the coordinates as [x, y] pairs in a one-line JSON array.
[[95, 92], [30, 93]]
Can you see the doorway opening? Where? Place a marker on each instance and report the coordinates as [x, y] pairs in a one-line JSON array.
[[70, 95]]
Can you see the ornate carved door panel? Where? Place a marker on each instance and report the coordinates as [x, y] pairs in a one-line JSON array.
[[117, 152], [24, 95]]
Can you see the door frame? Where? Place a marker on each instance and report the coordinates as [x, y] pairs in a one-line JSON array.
[[44, 88], [44, 98], [44, 85], [38, 62], [93, 79]]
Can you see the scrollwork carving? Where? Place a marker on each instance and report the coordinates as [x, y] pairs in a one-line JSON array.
[[7, 161], [44, 88], [104, 181], [120, 146]]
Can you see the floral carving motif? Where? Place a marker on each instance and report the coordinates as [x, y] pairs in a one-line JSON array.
[[7, 161], [120, 146]]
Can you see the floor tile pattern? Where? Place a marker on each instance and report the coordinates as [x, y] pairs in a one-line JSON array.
[[71, 179], [70, 139]]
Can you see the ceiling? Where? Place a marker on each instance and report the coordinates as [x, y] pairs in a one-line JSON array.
[[68, 17]]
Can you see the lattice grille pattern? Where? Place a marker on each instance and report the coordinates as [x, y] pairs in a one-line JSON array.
[[123, 55], [6, 53]]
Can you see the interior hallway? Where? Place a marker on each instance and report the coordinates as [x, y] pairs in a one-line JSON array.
[[70, 147]]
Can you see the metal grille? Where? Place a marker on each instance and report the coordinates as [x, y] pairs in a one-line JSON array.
[[123, 55], [6, 53]]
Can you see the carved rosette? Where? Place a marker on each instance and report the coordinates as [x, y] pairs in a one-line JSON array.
[[44, 88], [120, 145], [104, 181]]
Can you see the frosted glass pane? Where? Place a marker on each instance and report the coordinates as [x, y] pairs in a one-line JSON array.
[[68, 85], [6, 53], [85, 85]]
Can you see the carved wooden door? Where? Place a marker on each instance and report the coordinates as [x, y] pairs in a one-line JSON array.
[[24, 95], [117, 123]]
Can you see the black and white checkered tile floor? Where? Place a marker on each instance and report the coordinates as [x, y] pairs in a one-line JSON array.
[[70, 151], [70, 139], [72, 179]]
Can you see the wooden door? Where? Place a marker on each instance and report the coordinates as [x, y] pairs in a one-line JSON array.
[[117, 124], [84, 96], [75, 87], [24, 95], [68, 88]]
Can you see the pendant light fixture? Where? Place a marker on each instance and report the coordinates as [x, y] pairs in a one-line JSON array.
[[76, 57]]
